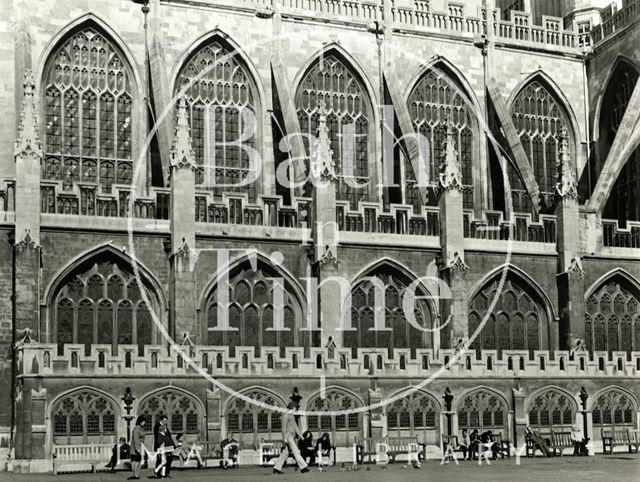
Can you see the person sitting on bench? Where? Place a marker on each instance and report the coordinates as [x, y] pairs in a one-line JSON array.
[[323, 444], [474, 442], [464, 444], [121, 451], [579, 443], [229, 449], [306, 447], [538, 441]]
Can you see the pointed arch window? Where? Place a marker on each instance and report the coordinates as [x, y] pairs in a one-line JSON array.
[[612, 318], [552, 410], [435, 98], [100, 303], [518, 320], [87, 98], [84, 416], [331, 83], [538, 118], [412, 414], [614, 409], [254, 422], [389, 285], [222, 105], [344, 427], [482, 410], [252, 310], [183, 412], [624, 201]]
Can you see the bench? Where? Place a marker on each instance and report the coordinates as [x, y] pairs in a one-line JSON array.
[[505, 445], [560, 441], [84, 458], [451, 441], [614, 437], [395, 446], [211, 455], [271, 449], [530, 446]]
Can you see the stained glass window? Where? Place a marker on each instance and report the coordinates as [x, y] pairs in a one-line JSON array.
[[538, 119], [331, 83], [436, 98], [222, 111], [519, 314], [88, 111], [615, 308]]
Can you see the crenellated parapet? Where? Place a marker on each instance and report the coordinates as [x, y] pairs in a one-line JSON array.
[[217, 361]]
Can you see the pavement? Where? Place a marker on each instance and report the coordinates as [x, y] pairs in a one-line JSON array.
[[615, 468]]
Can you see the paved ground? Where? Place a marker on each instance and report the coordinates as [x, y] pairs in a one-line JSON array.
[[616, 468]]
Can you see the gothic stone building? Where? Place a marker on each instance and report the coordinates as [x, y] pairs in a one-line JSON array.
[[110, 220]]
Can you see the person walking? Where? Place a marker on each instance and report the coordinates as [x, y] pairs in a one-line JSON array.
[[290, 429], [137, 446], [163, 445]]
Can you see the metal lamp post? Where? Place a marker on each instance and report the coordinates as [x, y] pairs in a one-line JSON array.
[[448, 399], [128, 399], [584, 396]]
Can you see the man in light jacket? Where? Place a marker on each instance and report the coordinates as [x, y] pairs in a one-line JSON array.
[[290, 429]]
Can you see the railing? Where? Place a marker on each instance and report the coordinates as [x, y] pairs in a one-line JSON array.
[[46, 359], [420, 17], [266, 211], [400, 219], [86, 199], [7, 195], [616, 237], [613, 21], [521, 228]]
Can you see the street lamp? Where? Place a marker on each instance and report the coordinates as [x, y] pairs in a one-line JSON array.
[[584, 396], [448, 399], [128, 399]]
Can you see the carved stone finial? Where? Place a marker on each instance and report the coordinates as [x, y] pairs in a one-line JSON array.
[[457, 263], [27, 242], [182, 156], [450, 176], [566, 186], [322, 165], [28, 141]]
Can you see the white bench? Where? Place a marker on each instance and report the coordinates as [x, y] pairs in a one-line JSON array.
[[83, 457]]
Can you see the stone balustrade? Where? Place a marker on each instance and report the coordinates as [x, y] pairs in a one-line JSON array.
[[419, 18], [520, 228], [617, 237], [156, 360], [371, 217], [86, 199], [614, 21], [7, 195]]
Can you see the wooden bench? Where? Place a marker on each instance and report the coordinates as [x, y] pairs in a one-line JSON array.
[[395, 446], [271, 449], [530, 446], [211, 455], [615, 437], [84, 458], [560, 441], [505, 445], [450, 441], [634, 440]]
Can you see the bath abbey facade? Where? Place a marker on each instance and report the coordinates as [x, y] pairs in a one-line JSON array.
[[209, 202]]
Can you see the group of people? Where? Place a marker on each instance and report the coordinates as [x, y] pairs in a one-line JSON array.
[[475, 444]]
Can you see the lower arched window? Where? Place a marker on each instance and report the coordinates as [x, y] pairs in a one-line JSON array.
[[343, 425], [416, 413], [83, 416], [552, 411], [613, 409], [182, 410], [482, 410], [253, 422]]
